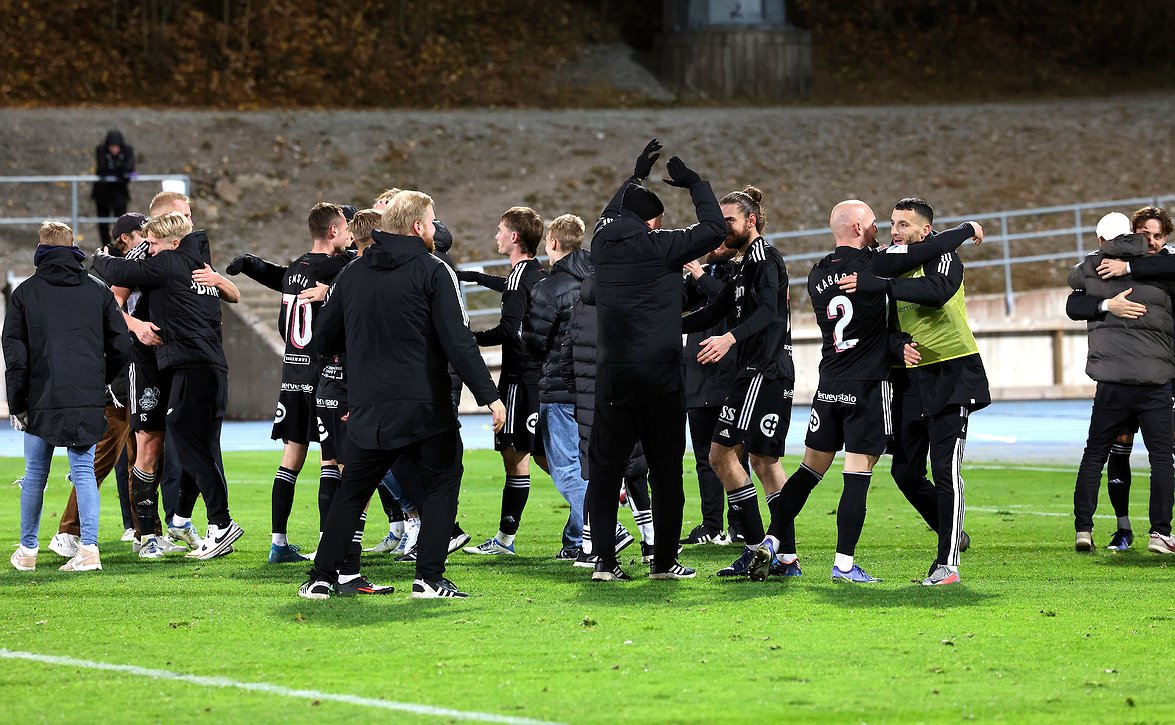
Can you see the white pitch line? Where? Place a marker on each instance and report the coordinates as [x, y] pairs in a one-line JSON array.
[[1008, 510], [272, 689]]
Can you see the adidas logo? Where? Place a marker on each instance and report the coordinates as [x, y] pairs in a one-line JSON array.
[[725, 432]]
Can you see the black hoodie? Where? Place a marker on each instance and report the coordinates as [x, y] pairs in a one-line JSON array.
[[64, 342], [114, 169], [547, 324], [397, 314], [187, 314]]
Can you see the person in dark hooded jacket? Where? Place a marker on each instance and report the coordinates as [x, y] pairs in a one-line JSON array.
[[397, 314], [191, 360], [64, 341], [114, 166], [544, 332], [640, 378], [1133, 362]]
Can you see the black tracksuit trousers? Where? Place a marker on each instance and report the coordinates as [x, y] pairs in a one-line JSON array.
[[196, 407], [429, 472], [659, 425], [943, 436], [1117, 406]]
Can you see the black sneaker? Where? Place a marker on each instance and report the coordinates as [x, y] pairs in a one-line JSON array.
[[675, 571], [702, 534], [615, 574], [315, 589], [741, 565], [964, 542], [458, 540], [586, 561], [361, 585], [410, 556], [568, 553], [439, 589]]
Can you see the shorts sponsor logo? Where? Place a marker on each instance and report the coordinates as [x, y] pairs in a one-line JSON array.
[[322, 432], [292, 359], [150, 399], [845, 398], [728, 414], [532, 422], [769, 424], [280, 414], [297, 388], [814, 422]]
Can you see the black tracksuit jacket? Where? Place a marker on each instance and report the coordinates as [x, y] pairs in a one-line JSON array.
[[638, 297], [397, 315], [187, 314]]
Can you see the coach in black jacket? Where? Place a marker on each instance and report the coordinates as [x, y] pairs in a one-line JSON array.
[[640, 379], [397, 314]]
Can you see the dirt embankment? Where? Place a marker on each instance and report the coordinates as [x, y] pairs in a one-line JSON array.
[[256, 174]]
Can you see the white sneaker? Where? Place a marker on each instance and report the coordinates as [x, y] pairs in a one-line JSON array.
[[169, 545], [128, 535], [388, 544], [149, 548], [186, 533], [87, 559], [64, 544], [218, 542], [411, 533], [24, 559]]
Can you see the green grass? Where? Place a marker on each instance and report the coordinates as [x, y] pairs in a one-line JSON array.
[[1035, 633]]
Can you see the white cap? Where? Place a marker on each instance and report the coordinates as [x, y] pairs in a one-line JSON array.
[[1113, 225]]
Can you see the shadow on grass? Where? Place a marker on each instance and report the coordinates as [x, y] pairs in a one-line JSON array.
[[863, 596]]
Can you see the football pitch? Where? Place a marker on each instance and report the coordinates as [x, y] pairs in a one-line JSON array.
[[1035, 633]]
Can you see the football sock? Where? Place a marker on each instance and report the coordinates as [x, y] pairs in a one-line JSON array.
[[329, 479], [787, 503], [850, 513], [143, 501], [744, 501], [844, 562], [179, 522], [514, 495], [280, 539], [503, 538], [1118, 481], [282, 498]]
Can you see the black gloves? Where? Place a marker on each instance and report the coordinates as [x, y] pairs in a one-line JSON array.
[[869, 282], [466, 275], [648, 157], [680, 175], [442, 238], [245, 263]]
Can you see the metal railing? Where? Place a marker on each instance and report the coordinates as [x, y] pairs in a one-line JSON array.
[[1049, 227], [170, 182]]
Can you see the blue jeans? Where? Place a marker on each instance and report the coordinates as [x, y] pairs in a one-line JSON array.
[[38, 456], [561, 443]]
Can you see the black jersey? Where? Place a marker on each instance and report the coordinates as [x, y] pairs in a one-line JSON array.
[[757, 293], [854, 327], [517, 363], [295, 322]]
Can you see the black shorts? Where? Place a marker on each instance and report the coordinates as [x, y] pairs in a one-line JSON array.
[[856, 415], [295, 421], [332, 429], [522, 418], [756, 414], [148, 391]]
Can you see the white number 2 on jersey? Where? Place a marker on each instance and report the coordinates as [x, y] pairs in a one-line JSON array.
[[841, 307]]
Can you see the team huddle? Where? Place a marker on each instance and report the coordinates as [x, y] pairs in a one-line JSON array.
[[595, 387]]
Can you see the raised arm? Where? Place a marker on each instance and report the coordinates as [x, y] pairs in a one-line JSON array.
[[679, 246], [148, 272], [898, 259], [266, 273]]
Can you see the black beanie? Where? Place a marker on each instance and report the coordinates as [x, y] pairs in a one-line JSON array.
[[642, 202]]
